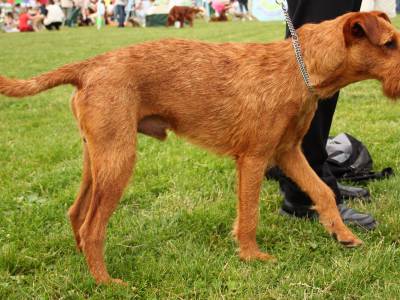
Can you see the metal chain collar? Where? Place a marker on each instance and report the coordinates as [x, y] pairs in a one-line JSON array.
[[296, 46]]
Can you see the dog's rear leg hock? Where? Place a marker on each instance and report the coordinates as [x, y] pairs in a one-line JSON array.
[[250, 173], [296, 167]]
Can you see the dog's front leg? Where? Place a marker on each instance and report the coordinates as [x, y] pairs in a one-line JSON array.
[[250, 173], [294, 165]]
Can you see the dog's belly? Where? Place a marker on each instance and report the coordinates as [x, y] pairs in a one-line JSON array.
[[217, 128], [216, 137]]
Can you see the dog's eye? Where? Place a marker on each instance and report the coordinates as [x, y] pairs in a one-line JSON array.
[[390, 44]]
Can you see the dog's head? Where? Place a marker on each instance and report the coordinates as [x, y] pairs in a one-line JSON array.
[[199, 11], [354, 47], [374, 46]]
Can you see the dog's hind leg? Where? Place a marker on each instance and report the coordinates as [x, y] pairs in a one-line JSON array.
[[250, 171], [77, 212], [110, 131], [296, 167], [112, 166]]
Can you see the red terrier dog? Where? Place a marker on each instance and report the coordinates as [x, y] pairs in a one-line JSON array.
[[257, 114]]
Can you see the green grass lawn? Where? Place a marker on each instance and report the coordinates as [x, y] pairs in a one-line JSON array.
[[170, 237]]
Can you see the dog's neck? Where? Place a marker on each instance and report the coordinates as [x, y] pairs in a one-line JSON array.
[[325, 57], [278, 71]]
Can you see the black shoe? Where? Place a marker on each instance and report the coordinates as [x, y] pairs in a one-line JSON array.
[[349, 216], [353, 217], [352, 192]]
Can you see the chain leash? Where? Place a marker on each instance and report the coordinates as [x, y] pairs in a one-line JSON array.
[[296, 46]]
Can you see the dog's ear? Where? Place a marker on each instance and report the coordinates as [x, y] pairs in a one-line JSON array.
[[364, 25], [381, 14]]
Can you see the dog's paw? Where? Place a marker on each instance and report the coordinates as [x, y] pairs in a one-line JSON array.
[[352, 243], [109, 280], [255, 255], [348, 240], [118, 281]]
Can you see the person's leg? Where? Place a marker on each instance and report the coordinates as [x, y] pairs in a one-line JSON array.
[[121, 15], [65, 12], [296, 202], [68, 16], [245, 2], [37, 22], [242, 7], [74, 16], [116, 13], [314, 142]]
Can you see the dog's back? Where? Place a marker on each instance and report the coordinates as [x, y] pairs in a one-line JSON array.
[[214, 82]]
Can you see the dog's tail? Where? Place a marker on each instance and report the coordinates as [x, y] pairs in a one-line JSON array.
[[68, 74]]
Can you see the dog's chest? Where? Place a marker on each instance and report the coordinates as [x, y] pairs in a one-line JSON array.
[[298, 124]]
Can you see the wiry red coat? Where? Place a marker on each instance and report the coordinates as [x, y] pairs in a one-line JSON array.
[[247, 101]]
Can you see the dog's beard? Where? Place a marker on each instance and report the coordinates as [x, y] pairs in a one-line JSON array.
[[391, 88]]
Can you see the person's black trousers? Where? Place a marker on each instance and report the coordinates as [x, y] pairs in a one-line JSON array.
[[53, 25], [314, 142], [120, 9]]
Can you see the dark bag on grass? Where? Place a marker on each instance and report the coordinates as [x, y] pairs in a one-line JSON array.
[[349, 159]]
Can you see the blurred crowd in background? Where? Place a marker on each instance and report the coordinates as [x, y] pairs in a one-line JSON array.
[[37, 15]]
